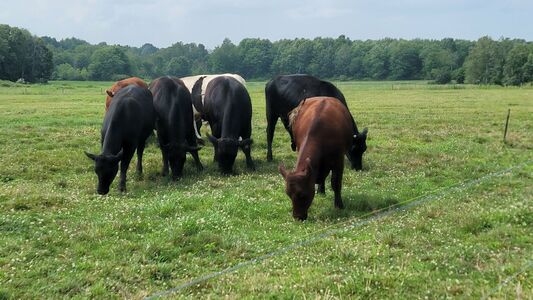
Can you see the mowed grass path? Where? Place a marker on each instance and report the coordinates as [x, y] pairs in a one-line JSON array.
[[59, 239]]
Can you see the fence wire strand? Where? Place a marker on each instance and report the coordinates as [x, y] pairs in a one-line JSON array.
[[348, 225]]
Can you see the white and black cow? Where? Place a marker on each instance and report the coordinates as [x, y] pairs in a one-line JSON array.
[[228, 109], [127, 124], [174, 124], [197, 85], [285, 92]]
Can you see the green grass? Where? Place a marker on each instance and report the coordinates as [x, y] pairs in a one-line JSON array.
[[59, 239]]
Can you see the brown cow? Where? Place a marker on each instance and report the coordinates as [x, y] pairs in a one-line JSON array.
[[121, 84], [322, 129]]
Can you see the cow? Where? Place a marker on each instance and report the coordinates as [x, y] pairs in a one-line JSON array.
[[174, 124], [127, 124], [228, 109], [121, 84], [322, 130], [285, 92], [199, 83]]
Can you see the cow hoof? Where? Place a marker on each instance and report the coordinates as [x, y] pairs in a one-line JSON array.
[[339, 205]]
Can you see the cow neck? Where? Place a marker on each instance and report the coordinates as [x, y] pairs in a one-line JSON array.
[[230, 124], [112, 143], [305, 152], [177, 127]]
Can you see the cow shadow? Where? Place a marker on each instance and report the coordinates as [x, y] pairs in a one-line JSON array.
[[355, 205]]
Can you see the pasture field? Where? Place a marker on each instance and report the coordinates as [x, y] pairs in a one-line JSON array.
[[59, 239]]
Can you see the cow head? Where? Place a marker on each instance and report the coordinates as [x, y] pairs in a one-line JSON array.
[[106, 168], [300, 188], [176, 155], [357, 149], [226, 151]]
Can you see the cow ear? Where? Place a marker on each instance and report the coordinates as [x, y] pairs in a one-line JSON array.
[[109, 93], [213, 139], [282, 170], [118, 156], [90, 155], [365, 132]]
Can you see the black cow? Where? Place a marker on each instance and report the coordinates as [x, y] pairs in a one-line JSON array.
[[285, 92], [127, 124], [228, 109], [174, 124]]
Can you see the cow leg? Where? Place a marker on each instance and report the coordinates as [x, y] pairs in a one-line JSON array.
[[164, 169], [196, 158], [215, 156], [271, 126], [124, 164], [336, 184], [288, 128], [249, 162], [322, 186], [140, 151]]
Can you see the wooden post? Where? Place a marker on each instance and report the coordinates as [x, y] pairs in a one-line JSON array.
[[506, 124]]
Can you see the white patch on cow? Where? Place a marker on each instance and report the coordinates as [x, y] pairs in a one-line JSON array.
[[189, 82]]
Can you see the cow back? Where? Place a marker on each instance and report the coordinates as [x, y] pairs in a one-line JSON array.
[[117, 86], [324, 121], [228, 104], [173, 107], [130, 117]]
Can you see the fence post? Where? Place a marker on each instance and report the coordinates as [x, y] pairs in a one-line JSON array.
[[506, 125]]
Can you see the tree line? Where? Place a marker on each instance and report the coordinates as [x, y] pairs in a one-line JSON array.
[[485, 61]]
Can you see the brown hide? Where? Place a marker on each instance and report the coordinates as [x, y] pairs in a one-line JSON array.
[[322, 130], [121, 84]]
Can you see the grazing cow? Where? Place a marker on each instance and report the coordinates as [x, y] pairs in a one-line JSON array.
[[120, 84], [322, 130], [174, 118], [285, 92], [228, 109], [199, 83], [127, 125]]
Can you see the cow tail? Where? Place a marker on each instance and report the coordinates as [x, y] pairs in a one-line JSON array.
[[195, 128]]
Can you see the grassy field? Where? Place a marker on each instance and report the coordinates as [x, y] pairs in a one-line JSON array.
[[58, 238]]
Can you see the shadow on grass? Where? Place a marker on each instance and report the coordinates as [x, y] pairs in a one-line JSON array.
[[355, 205]]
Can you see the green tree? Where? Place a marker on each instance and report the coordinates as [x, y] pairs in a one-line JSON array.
[[23, 56], [438, 63], [108, 62], [179, 67], [405, 62], [257, 57], [68, 72], [484, 64], [226, 58], [514, 71], [376, 61]]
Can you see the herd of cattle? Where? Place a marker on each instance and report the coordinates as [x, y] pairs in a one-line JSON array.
[[313, 111]]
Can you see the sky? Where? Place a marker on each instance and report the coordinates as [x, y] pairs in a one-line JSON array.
[[165, 22]]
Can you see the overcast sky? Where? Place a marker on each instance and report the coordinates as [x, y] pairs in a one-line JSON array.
[[164, 22]]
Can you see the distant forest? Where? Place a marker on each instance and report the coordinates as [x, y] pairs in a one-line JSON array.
[[485, 61]]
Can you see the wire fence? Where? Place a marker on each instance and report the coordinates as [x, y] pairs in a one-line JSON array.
[[343, 227]]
